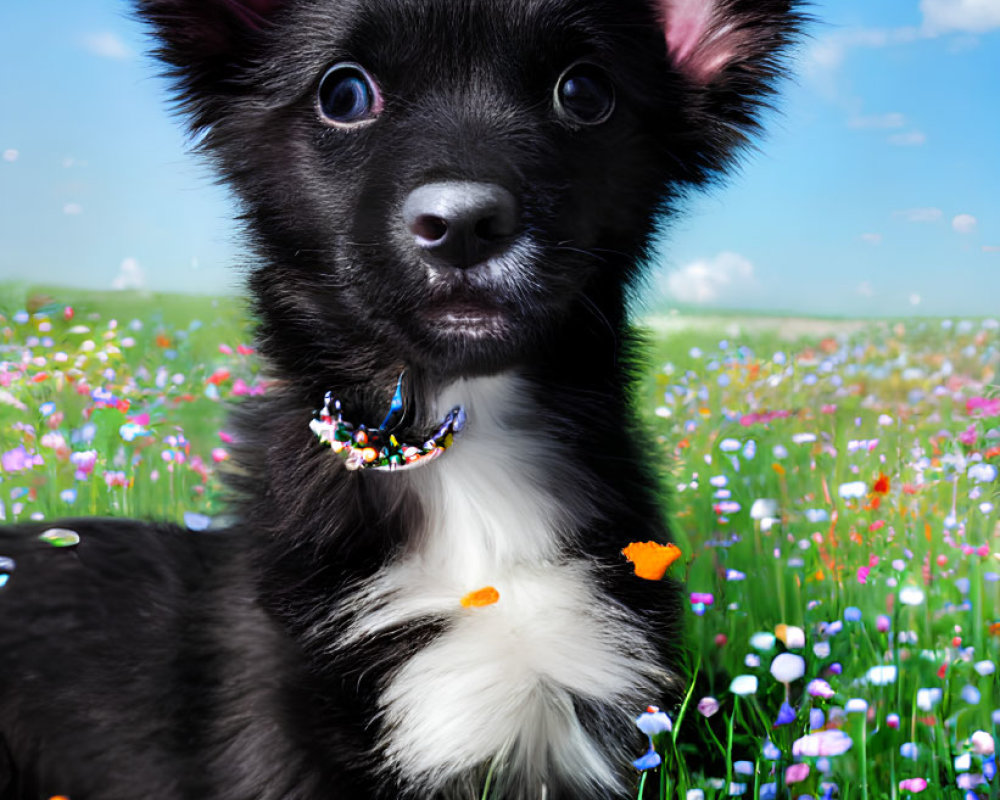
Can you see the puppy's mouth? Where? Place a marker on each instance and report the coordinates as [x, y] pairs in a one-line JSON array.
[[478, 318]]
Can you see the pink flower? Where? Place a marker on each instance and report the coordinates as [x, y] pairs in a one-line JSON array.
[[913, 785], [883, 623], [219, 454], [969, 436], [863, 573], [986, 406], [228, 438], [796, 773], [225, 349]]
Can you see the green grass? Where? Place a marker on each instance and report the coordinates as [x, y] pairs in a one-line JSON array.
[[813, 479]]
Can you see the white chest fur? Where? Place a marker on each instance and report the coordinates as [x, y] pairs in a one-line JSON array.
[[499, 684]]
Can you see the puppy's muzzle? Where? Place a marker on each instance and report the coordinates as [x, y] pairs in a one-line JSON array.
[[461, 224]]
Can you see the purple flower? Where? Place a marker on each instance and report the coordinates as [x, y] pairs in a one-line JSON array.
[[653, 722], [820, 688], [706, 598], [19, 459], [708, 706], [816, 719], [852, 614]]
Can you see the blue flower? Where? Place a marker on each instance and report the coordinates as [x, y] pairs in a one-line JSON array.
[[852, 614], [653, 722], [649, 761], [786, 715]]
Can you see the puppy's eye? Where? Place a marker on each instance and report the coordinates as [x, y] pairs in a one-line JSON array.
[[348, 96], [585, 95]]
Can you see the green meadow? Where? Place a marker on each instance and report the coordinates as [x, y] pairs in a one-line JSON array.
[[833, 491]]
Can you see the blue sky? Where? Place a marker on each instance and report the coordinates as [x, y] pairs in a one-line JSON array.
[[876, 190]]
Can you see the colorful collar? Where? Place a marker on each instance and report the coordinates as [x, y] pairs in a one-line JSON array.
[[378, 449]]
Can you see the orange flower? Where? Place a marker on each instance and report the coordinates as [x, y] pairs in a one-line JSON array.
[[995, 629], [651, 559], [162, 341], [486, 596], [882, 484]]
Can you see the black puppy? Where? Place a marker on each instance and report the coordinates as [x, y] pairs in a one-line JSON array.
[[447, 200]]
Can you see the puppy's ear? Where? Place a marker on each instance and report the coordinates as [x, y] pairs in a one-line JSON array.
[[207, 44], [729, 54]]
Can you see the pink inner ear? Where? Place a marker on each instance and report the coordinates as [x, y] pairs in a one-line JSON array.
[[698, 44]]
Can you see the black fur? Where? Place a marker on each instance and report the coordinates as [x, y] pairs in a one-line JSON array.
[[154, 661]]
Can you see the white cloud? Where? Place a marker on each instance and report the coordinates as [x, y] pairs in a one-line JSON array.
[[965, 16], [919, 214], [865, 289], [908, 139], [106, 45], [72, 209], [964, 223], [991, 248], [878, 121], [710, 280], [915, 299], [10, 155], [129, 277], [872, 238]]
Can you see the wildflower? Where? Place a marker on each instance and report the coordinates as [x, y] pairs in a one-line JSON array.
[[984, 668], [982, 743], [852, 614], [196, 522], [708, 706], [882, 623], [928, 698], [792, 636], [729, 445], [131, 431], [763, 507], [650, 760], [852, 490], [762, 641], [882, 675], [982, 473], [820, 688], [821, 649], [816, 719], [653, 722], [856, 705], [788, 667], [695, 794], [911, 596], [909, 750], [970, 694], [702, 597], [651, 559], [786, 715], [831, 742], [913, 785], [770, 752], [743, 685], [796, 773], [735, 575], [882, 484], [892, 721]]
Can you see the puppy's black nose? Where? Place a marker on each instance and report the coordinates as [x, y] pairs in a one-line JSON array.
[[461, 223]]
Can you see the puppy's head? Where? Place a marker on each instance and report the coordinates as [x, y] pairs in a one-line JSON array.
[[440, 183]]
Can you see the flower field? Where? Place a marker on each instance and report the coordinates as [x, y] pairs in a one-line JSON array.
[[834, 499]]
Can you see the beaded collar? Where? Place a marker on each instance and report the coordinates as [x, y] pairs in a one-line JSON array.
[[378, 448]]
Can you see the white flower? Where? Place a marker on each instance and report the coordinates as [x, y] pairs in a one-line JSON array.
[[794, 637], [928, 698], [856, 705], [853, 490], [911, 595], [982, 743], [985, 668], [744, 685], [982, 473], [763, 507], [804, 438], [762, 641], [882, 676], [788, 667], [729, 445]]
